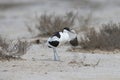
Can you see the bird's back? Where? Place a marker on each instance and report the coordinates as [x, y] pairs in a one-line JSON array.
[[64, 38], [60, 38]]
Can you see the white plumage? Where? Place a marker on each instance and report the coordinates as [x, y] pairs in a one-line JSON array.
[[64, 37], [60, 38]]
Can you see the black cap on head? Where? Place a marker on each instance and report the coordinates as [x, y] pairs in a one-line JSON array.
[[66, 28]]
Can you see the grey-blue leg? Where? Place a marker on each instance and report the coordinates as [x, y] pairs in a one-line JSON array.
[[56, 57]]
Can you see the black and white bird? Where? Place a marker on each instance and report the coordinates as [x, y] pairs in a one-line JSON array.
[[60, 38]]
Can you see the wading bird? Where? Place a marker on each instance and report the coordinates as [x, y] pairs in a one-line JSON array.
[[60, 38]]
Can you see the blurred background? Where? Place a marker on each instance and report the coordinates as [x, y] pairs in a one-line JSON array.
[[15, 15]]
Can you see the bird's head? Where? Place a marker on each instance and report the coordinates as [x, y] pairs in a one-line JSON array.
[[66, 29]]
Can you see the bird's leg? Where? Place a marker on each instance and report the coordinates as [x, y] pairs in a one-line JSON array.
[[56, 57]]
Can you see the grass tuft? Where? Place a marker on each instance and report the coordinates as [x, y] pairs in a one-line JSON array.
[[108, 38], [51, 23], [12, 49]]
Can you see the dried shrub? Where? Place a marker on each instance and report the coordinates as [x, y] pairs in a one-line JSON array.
[[12, 49], [3, 45], [48, 24], [107, 39], [18, 48]]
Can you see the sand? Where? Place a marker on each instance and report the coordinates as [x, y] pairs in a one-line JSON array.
[[37, 63]]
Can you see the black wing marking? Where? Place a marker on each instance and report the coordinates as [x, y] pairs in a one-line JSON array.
[[54, 43]]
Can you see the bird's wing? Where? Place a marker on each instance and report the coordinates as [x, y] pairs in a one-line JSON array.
[[54, 38]]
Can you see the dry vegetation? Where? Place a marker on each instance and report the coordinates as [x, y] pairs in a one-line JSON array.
[[17, 48], [3, 46], [108, 38], [12, 49], [47, 24]]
